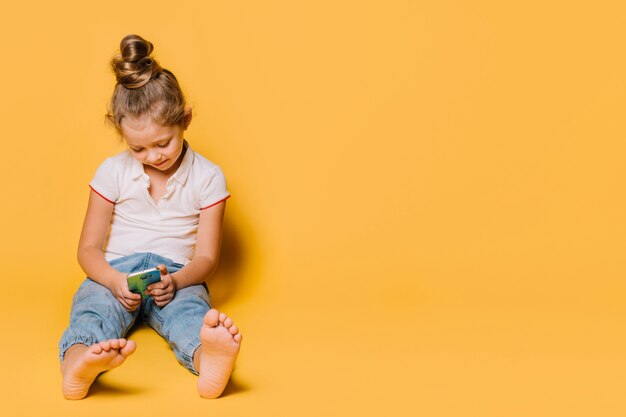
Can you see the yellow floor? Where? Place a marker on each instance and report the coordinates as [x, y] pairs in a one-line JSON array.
[[372, 360]]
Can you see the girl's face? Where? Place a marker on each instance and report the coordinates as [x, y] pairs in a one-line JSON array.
[[152, 144]]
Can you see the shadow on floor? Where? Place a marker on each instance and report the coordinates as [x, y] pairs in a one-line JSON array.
[[234, 387], [227, 278], [102, 388]]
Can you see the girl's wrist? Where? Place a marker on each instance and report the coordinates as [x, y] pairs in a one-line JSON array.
[[174, 283], [117, 277]]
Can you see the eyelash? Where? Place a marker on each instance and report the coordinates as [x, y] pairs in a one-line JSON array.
[[160, 146]]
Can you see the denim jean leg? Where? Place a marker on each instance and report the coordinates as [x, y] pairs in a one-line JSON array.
[[132, 263], [180, 321], [96, 315]]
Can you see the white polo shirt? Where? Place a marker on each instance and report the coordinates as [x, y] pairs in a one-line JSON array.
[[168, 228]]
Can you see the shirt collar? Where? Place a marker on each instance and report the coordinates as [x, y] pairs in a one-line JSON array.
[[182, 172], [179, 176]]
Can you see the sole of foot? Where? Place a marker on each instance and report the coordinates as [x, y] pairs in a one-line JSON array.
[[221, 341]]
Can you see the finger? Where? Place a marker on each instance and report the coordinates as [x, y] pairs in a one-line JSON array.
[[163, 269], [128, 304], [161, 284], [165, 298], [134, 304], [132, 299], [131, 296], [123, 303], [131, 304], [156, 292]]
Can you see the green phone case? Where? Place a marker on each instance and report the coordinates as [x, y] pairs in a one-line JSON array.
[[138, 281]]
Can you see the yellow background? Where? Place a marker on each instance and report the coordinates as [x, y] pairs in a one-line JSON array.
[[427, 214]]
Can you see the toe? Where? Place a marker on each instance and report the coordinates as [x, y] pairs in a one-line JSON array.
[[128, 348], [222, 317], [237, 337], [106, 345], [115, 344], [228, 322], [233, 330], [211, 318]]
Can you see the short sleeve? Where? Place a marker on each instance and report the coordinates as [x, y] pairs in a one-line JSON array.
[[105, 183], [213, 188]]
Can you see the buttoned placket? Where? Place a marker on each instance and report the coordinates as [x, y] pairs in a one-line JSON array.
[[158, 209], [170, 188], [146, 193]]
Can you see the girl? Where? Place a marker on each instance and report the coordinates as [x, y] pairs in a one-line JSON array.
[[158, 204]]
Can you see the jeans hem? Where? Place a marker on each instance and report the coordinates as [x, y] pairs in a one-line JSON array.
[[188, 360], [88, 341]]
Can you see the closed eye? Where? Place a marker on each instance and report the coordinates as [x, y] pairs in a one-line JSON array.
[[164, 145]]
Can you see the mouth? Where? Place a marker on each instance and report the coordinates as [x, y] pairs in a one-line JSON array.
[[160, 163]]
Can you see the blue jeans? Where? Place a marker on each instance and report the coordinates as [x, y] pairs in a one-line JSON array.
[[97, 315]]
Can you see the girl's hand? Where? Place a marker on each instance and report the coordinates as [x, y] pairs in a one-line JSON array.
[[163, 292], [129, 300]]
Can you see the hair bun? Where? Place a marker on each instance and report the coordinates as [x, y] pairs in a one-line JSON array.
[[134, 67]]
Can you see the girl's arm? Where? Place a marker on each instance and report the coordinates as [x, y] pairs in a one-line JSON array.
[[91, 257], [207, 251]]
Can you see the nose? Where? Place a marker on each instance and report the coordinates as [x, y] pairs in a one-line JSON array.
[[153, 156]]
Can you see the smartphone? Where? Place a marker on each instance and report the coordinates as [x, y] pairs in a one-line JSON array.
[[138, 281]]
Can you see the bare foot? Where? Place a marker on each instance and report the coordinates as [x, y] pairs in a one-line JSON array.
[[82, 364], [220, 345]]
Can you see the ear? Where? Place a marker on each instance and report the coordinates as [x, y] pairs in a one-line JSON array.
[[187, 118]]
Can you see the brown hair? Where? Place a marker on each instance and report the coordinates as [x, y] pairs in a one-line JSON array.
[[143, 87]]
